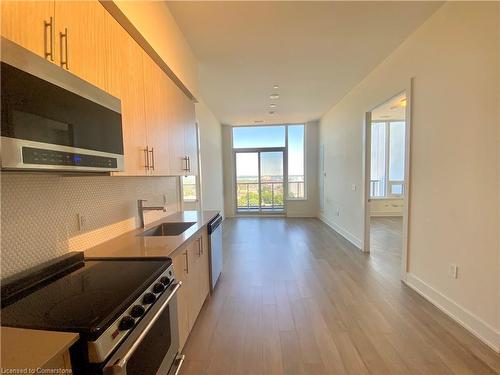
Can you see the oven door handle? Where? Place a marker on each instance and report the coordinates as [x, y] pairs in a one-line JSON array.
[[120, 364]]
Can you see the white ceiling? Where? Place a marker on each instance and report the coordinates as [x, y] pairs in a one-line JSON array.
[[393, 109], [315, 51]]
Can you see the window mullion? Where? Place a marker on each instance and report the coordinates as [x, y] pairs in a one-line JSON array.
[[387, 157]]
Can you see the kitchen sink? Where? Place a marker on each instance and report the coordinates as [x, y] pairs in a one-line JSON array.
[[167, 229]]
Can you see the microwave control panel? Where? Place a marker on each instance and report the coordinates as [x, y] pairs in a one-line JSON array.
[[33, 155]]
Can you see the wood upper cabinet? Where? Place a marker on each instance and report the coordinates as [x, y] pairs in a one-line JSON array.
[[80, 35], [178, 161], [184, 138], [30, 24], [125, 80], [156, 86], [159, 130], [190, 135]]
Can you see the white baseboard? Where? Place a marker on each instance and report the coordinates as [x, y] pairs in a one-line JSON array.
[[475, 325], [343, 232]]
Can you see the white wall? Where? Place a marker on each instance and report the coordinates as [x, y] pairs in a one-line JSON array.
[[211, 158], [310, 206], [454, 209], [228, 168]]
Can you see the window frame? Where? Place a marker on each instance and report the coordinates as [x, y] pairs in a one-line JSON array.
[[286, 182], [304, 145], [388, 182], [182, 189]]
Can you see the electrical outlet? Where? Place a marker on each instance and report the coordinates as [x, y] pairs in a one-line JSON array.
[[454, 271], [353, 187], [82, 222], [338, 211]]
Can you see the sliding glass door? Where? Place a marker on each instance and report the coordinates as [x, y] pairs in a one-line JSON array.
[[260, 181]]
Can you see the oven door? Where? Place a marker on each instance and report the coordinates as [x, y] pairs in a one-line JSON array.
[[152, 346]]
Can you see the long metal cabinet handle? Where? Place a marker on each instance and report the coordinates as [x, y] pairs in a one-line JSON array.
[[152, 151], [146, 158], [64, 57], [121, 363], [49, 27], [178, 362], [187, 263], [188, 163]]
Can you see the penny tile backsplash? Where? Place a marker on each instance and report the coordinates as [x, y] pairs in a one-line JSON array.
[[39, 213]]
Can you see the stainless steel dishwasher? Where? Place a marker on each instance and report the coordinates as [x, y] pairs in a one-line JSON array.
[[215, 246]]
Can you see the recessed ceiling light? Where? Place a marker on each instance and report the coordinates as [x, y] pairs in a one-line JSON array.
[[272, 105], [274, 96], [271, 113], [276, 87]]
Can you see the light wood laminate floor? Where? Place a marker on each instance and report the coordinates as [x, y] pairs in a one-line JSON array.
[[386, 236], [296, 298]]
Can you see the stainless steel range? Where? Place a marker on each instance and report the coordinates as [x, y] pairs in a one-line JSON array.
[[124, 310]]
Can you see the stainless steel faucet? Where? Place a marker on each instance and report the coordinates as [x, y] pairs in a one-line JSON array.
[[142, 208]]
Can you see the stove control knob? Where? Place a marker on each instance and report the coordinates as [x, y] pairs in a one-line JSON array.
[[148, 298], [158, 288], [137, 311], [126, 323], [165, 280]]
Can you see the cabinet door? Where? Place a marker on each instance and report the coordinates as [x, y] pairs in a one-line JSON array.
[[24, 22], [125, 80], [180, 262], [194, 285], [204, 269], [178, 163], [190, 134], [157, 116], [80, 39]]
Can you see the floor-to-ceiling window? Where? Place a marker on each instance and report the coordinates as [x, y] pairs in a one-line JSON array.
[[264, 179], [387, 158]]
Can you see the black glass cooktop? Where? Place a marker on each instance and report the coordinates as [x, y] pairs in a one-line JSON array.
[[86, 300]]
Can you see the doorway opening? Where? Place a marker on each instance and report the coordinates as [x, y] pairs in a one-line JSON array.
[[386, 178]]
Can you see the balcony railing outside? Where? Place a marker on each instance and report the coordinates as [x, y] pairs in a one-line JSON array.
[[271, 196], [296, 189], [394, 188], [377, 188]]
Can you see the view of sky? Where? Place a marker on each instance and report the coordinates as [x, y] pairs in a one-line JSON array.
[[271, 162]]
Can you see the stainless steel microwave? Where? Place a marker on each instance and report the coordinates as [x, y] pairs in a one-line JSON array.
[[53, 120]]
